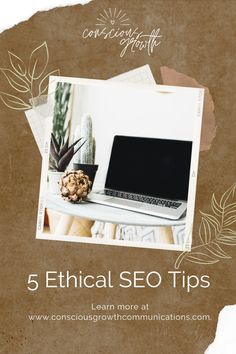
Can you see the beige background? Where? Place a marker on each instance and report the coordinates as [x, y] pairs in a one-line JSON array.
[[198, 40]]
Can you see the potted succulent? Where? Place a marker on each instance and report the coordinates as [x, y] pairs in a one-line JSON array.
[[60, 157], [85, 158]]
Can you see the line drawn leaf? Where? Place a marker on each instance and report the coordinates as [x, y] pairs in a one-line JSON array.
[[43, 86], [180, 259], [212, 220], [205, 231], [228, 240], [17, 82], [230, 207], [210, 250], [216, 250], [227, 236], [14, 102], [21, 77], [215, 206], [231, 210], [33, 71], [228, 195], [229, 221], [201, 258], [227, 232], [17, 64], [38, 61]]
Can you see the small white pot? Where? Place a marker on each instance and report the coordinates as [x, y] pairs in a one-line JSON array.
[[53, 179]]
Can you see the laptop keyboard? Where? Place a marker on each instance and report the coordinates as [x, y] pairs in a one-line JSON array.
[[142, 198]]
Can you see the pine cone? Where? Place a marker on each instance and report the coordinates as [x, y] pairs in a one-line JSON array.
[[74, 186]]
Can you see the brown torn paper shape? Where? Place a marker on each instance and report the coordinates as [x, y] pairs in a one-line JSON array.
[[174, 78]]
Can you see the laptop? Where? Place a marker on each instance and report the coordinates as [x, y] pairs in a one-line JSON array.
[[147, 175]]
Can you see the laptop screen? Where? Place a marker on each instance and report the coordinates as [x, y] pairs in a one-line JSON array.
[[148, 166]]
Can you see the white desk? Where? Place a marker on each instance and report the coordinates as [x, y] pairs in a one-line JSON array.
[[107, 214], [110, 216]]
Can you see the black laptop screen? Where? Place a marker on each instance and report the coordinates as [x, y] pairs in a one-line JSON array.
[[154, 167]]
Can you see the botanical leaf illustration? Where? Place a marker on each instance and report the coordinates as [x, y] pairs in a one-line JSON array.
[[24, 81], [215, 231], [212, 220], [17, 82], [17, 64], [216, 250], [200, 258], [228, 196], [228, 240], [231, 208], [230, 220], [228, 232], [38, 61], [14, 102], [215, 206], [206, 229], [43, 86]]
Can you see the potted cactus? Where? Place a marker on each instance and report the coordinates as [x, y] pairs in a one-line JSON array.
[[85, 158], [60, 157]]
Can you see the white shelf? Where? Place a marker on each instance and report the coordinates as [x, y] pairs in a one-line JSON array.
[[107, 214]]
